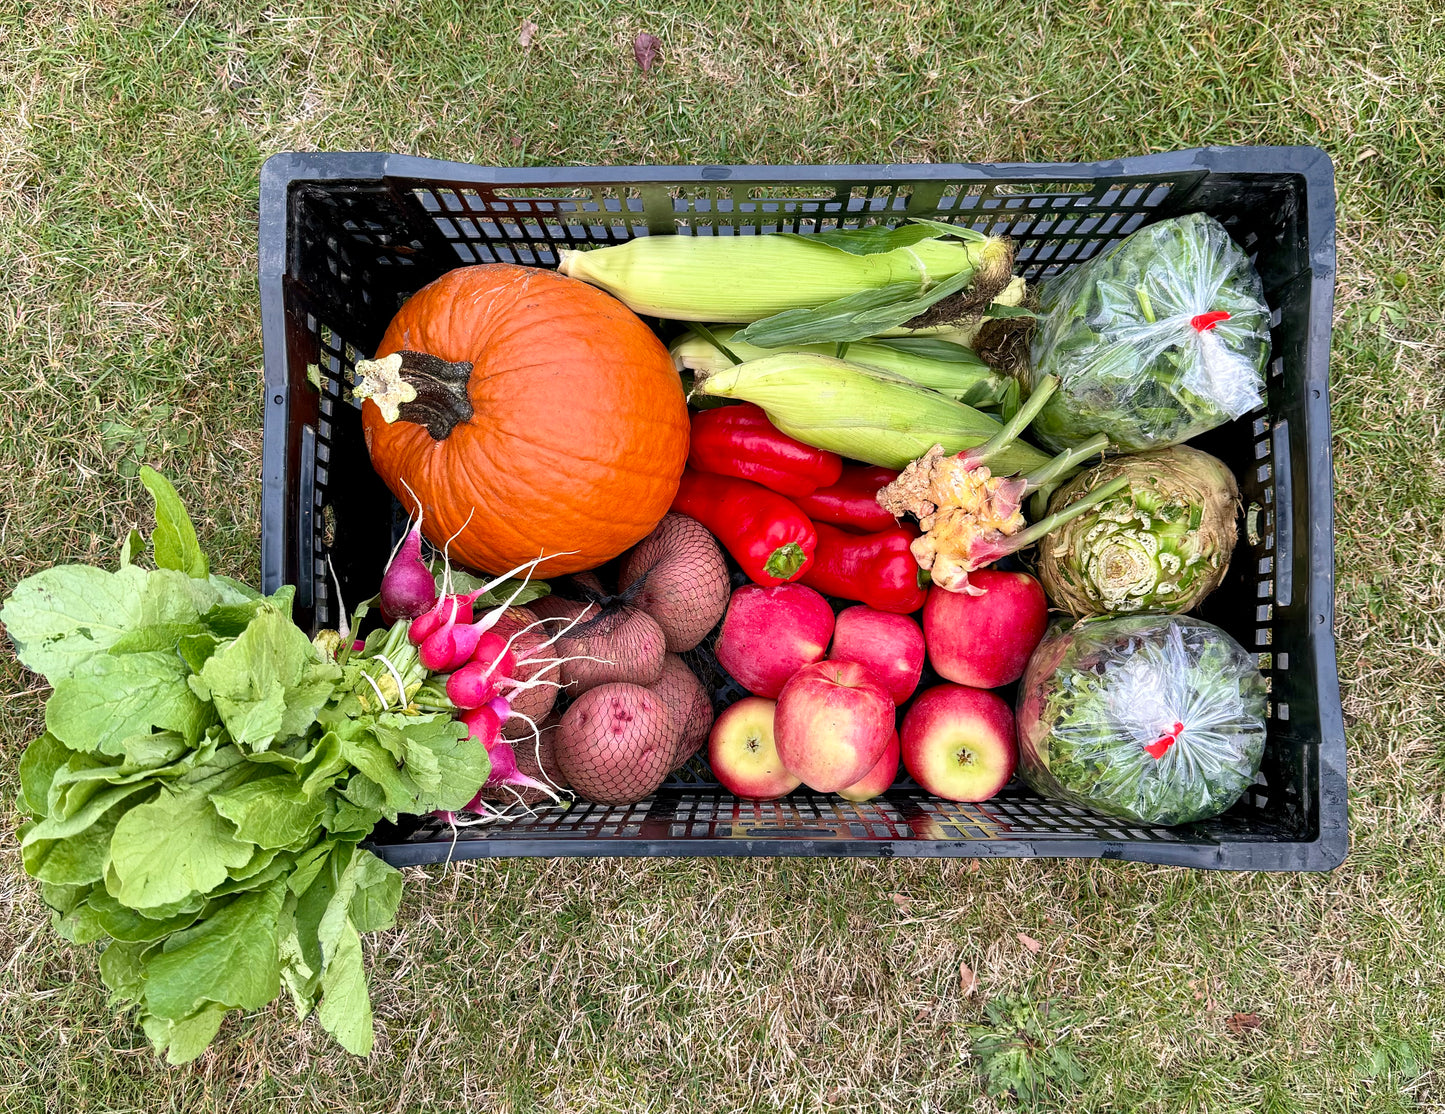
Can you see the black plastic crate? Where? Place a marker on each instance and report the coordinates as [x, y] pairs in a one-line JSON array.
[[346, 238]]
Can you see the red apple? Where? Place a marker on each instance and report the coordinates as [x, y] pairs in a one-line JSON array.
[[833, 723], [878, 779], [890, 645], [743, 755], [771, 633], [985, 640], [958, 742]]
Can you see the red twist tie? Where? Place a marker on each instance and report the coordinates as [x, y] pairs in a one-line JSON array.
[[1157, 748], [1203, 321]]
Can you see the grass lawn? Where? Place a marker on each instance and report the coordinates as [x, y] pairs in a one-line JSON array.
[[131, 135]]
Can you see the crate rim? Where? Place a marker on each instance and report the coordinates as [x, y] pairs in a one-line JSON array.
[[284, 170]]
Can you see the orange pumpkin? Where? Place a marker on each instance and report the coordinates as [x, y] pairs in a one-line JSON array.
[[530, 414]]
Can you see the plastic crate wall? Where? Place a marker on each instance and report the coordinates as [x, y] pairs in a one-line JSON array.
[[362, 233]]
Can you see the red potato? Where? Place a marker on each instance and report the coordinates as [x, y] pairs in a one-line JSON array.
[[958, 742], [877, 780], [985, 641], [615, 743], [833, 723], [771, 633], [890, 645], [691, 709], [686, 590], [628, 643]]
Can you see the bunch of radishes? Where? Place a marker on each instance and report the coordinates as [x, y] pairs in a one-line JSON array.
[[492, 661]]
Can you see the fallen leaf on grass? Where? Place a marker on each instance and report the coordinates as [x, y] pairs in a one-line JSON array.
[[646, 48], [1030, 943], [967, 980], [524, 36], [1241, 1023], [903, 901]]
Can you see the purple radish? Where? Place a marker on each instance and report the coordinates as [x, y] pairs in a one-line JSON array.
[[407, 587]]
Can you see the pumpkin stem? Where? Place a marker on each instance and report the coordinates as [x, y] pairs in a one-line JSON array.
[[417, 387]]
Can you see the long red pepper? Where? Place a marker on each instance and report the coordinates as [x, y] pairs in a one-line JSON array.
[[766, 533], [877, 569], [852, 501], [740, 441]]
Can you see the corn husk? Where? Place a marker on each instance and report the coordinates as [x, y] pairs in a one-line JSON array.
[[860, 412], [965, 332], [947, 368]]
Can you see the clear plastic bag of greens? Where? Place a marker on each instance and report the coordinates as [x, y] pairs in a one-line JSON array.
[[1159, 339], [1153, 718]]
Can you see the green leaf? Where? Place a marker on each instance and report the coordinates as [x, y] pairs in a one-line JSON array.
[[133, 546], [355, 819], [80, 926], [462, 766], [998, 311], [174, 540], [271, 811], [42, 760], [879, 238], [269, 681], [129, 925], [123, 970], [321, 766], [854, 317], [160, 636], [63, 898], [330, 893], [368, 756], [173, 847], [309, 866], [96, 805], [75, 859], [464, 582], [65, 615], [345, 1007], [182, 1041], [378, 894], [229, 619], [108, 699], [232, 591], [230, 958]]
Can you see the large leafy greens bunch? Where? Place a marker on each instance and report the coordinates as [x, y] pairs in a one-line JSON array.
[[204, 779]]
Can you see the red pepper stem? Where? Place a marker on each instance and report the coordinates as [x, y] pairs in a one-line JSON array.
[[785, 561], [925, 578], [1073, 510], [1015, 426], [1066, 462]]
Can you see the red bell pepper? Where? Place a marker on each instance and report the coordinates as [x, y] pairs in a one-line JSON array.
[[740, 441], [877, 569], [852, 501], [766, 534]]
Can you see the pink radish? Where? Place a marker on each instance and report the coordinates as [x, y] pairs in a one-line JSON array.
[[485, 728], [472, 685]]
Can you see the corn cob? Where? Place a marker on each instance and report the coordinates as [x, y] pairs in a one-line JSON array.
[[862, 413], [963, 376], [747, 278]]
